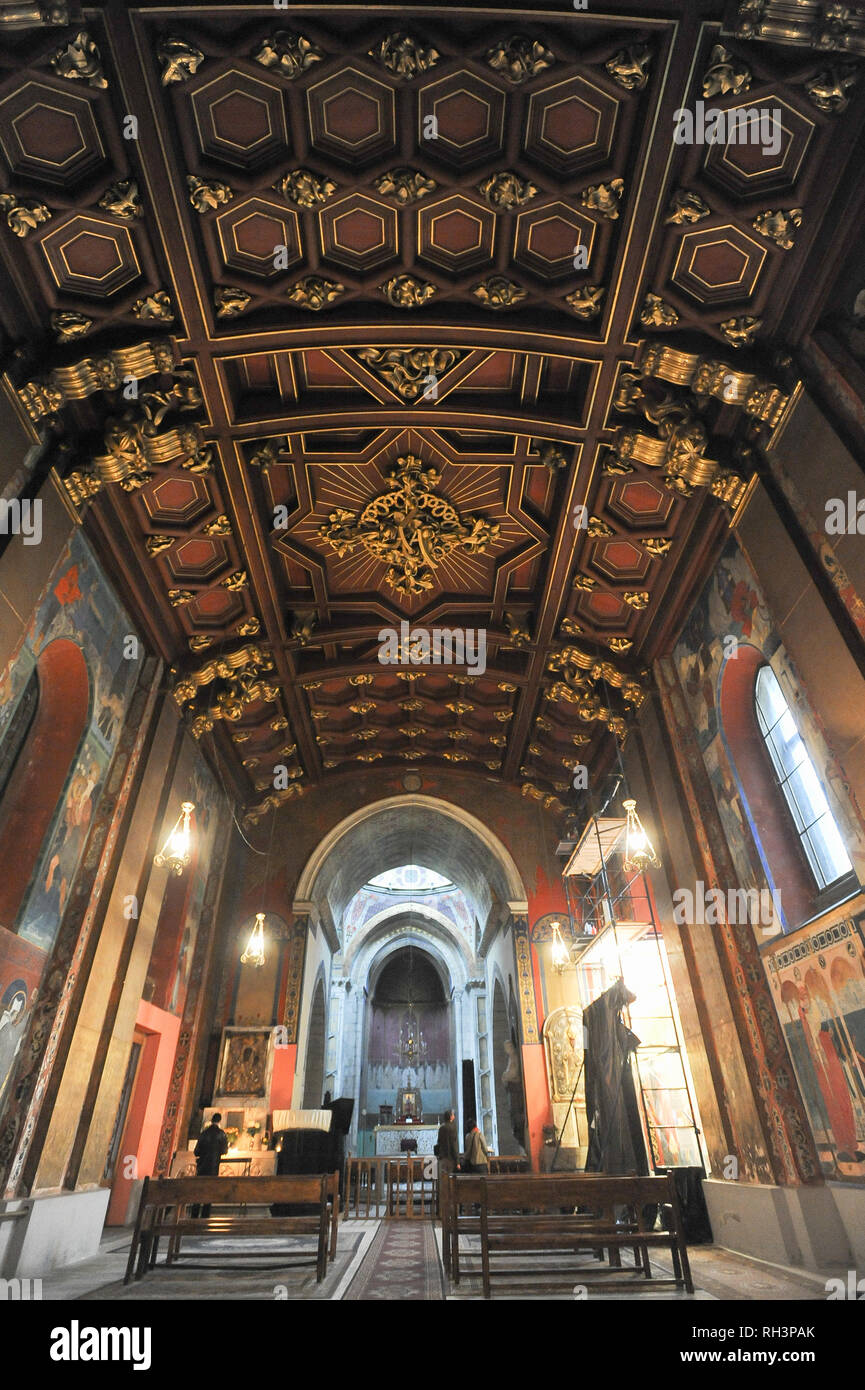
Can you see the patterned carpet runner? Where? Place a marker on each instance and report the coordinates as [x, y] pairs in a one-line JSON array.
[[403, 1263]]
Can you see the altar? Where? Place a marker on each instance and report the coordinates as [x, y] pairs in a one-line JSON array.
[[389, 1137]]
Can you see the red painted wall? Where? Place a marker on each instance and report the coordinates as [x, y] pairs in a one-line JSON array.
[[282, 1077], [144, 1120]]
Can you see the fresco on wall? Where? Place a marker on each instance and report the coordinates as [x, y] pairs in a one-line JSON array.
[[78, 605], [817, 975], [206, 796], [819, 989], [733, 606]]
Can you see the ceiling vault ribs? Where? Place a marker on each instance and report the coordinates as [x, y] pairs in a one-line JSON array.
[[345, 240]]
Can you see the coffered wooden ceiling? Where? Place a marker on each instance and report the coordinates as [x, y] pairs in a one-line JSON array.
[[336, 253]]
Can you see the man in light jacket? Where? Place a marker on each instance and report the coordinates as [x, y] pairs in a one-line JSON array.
[[477, 1156]]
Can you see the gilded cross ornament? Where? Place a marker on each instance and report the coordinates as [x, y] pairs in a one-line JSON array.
[[313, 292], [406, 291], [656, 314], [155, 308], [604, 198], [79, 60], [506, 190], [630, 67], [207, 195], [780, 227], [410, 528], [22, 217], [497, 292], [230, 302], [519, 58], [828, 91], [409, 371], [123, 200], [725, 75], [686, 208], [305, 189], [287, 53], [68, 325], [405, 185], [179, 60], [741, 332], [586, 301], [404, 56]]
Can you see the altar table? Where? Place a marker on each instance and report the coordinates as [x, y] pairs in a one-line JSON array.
[[388, 1138]]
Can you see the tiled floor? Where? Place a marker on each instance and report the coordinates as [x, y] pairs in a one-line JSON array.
[[718, 1275]]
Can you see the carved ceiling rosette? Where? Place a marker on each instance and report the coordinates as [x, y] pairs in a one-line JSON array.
[[410, 528]]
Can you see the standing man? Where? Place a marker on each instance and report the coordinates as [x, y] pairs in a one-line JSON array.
[[477, 1159], [447, 1150], [208, 1151]]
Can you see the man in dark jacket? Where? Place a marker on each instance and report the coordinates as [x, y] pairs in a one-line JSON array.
[[211, 1145], [447, 1146]]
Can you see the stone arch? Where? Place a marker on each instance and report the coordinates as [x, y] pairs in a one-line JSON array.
[[315, 1060], [448, 839], [424, 918]]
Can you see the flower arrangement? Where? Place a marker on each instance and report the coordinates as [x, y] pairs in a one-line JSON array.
[[232, 1134]]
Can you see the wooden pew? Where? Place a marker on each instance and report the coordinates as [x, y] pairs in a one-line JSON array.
[[462, 1194], [538, 1214], [164, 1211]]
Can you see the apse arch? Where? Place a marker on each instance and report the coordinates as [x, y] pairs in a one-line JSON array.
[[411, 828], [407, 914]]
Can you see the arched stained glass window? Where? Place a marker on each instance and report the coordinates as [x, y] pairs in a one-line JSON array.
[[797, 778]]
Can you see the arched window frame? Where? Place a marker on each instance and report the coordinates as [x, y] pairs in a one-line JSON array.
[[794, 889], [799, 784]]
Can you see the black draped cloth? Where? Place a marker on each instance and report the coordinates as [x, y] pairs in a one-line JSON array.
[[615, 1136]]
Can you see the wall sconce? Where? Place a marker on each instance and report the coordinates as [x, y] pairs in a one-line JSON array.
[[254, 953], [177, 850], [639, 851], [560, 955]]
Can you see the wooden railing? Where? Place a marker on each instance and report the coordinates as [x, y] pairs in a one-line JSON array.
[[406, 1186]]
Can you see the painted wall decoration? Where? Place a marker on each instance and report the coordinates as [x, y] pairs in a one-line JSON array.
[[77, 606], [732, 606], [818, 983]]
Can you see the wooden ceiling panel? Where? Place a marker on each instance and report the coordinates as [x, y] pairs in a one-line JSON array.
[[351, 319]]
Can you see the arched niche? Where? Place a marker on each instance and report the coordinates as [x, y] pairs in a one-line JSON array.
[[316, 1046], [46, 760]]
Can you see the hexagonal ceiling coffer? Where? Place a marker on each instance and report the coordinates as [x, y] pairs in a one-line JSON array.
[[751, 169], [640, 502], [605, 609], [621, 559], [177, 501], [570, 126], [719, 265], [546, 239], [214, 608], [456, 233], [240, 120], [251, 231], [359, 232], [50, 135], [352, 117], [199, 558], [89, 256], [461, 120]]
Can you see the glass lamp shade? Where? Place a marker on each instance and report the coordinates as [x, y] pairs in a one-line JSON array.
[[560, 957], [177, 850], [254, 953], [639, 850]]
